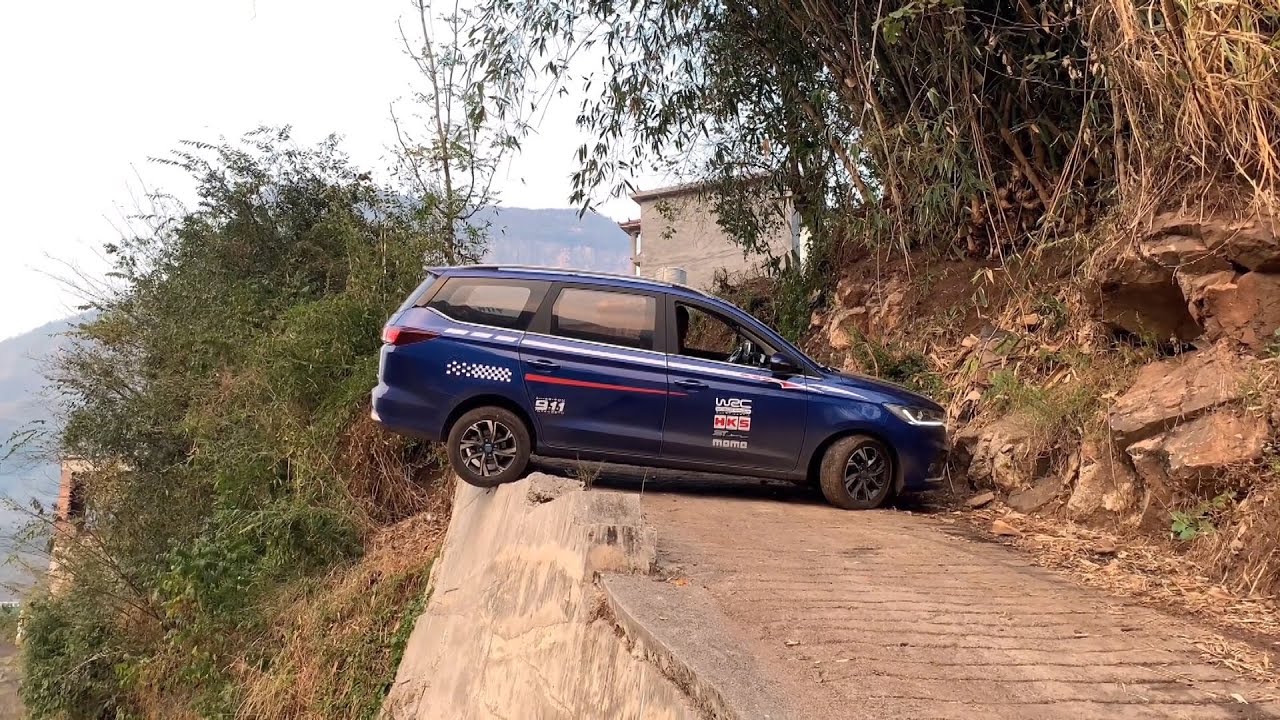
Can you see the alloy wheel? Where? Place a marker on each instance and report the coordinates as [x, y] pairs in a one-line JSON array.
[[866, 473], [487, 448]]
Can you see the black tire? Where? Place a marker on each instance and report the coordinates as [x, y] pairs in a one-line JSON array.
[[489, 446], [857, 473]]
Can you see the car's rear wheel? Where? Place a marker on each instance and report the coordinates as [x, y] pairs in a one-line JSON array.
[[489, 446], [857, 473]]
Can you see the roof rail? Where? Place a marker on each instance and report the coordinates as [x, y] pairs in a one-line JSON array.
[[579, 273]]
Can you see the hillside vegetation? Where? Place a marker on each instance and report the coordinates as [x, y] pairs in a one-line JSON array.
[[222, 397], [1059, 217]]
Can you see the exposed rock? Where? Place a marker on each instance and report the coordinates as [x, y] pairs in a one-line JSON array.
[[1106, 487], [1001, 528], [1157, 494], [852, 366], [1178, 465], [1044, 491], [1249, 242], [1173, 391], [545, 488], [1105, 546], [889, 313], [1202, 448], [1187, 255], [980, 499], [849, 293], [1195, 287], [1246, 311], [1002, 453], [1143, 297], [838, 336]]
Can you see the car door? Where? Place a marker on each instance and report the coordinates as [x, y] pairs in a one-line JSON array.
[[724, 409], [595, 372]]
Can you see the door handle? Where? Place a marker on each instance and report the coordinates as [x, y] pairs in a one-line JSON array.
[[544, 365], [691, 384]]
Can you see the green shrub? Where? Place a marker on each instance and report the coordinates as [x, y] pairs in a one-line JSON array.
[[908, 368], [222, 385], [76, 662]]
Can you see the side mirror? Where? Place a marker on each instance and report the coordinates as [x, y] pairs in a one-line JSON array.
[[780, 364]]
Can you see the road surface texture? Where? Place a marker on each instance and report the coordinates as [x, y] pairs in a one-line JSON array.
[[10, 704], [893, 615]]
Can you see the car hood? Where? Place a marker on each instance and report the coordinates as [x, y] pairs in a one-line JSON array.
[[886, 391]]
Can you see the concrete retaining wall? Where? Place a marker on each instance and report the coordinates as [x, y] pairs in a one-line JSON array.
[[516, 626]]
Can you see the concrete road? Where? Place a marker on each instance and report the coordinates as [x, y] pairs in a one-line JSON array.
[[10, 703], [888, 614]]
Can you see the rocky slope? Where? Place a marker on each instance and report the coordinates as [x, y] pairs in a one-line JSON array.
[[1125, 380]]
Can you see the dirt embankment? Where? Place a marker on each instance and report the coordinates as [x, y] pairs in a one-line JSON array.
[[1118, 390]]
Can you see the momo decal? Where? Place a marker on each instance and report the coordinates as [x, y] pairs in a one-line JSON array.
[[549, 406], [731, 424], [478, 371]]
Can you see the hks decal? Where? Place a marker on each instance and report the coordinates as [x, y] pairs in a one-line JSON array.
[[731, 424]]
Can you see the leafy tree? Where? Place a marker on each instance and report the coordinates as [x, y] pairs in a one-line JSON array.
[[452, 161], [972, 123], [216, 395]]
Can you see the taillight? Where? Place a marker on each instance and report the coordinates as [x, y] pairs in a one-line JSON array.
[[394, 335]]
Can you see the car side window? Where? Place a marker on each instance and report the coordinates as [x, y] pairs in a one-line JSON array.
[[508, 305], [604, 316], [711, 336]]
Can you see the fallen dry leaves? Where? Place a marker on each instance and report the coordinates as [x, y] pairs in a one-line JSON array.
[[1152, 575]]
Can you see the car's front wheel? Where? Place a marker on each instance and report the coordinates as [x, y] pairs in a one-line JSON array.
[[856, 473], [489, 446]]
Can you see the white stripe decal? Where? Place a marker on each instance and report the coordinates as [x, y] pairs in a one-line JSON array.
[[784, 384], [481, 335], [595, 353], [836, 390], [717, 371]]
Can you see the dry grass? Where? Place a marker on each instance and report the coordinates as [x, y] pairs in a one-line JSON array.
[[390, 477], [1197, 84], [335, 645]]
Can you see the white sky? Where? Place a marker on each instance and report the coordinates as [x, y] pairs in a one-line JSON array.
[[90, 89]]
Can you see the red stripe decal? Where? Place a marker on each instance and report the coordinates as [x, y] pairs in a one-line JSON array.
[[595, 385]]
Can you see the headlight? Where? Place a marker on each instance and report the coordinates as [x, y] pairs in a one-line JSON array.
[[918, 415]]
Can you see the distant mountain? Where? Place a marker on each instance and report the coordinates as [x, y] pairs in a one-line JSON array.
[[25, 475], [556, 238], [23, 362]]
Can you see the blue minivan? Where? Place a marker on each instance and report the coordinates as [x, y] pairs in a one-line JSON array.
[[503, 363]]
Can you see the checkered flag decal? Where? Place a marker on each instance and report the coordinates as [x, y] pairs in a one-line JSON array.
[[478, 371]]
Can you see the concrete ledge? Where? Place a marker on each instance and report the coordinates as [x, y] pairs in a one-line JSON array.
[[679, 629], [516, 626]]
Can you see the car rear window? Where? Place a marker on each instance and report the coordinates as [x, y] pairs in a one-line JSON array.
[[602, 316], [489, 302], [418, 293]]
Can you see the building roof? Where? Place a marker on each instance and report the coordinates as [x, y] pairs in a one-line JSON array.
[[669, 191], [629, 226], [690, 188]]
